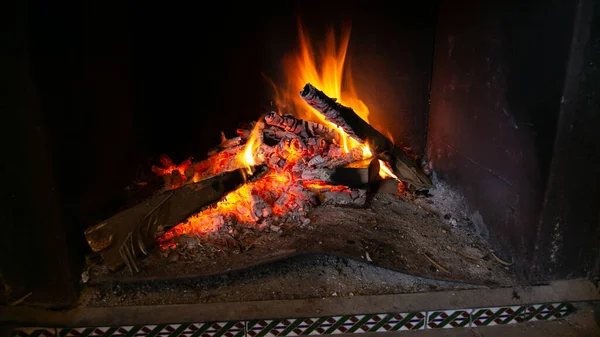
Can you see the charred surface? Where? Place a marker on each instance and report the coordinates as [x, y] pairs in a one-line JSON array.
[[390, 233], [131, 232], [403, 165]]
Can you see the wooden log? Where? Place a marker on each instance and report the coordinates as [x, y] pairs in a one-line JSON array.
[[403, 165], [354, 174], [277, 134], [300, 127], [226, 143], [130, 233]]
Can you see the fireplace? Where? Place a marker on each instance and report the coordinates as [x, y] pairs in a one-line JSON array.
[[493, 103]]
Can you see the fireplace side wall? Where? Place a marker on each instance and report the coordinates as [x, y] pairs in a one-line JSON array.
[[569, 229], [36, 259], [498, 77]]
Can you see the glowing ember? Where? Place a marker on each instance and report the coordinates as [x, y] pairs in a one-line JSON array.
[[175, 173], [169, 166], [278, 192]]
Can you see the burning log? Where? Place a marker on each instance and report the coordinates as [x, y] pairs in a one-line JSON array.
[[131, 232], [225, 144], [277, 134], [354, 174], [223, 161], [403, 166], [300, 127], [336, 195]]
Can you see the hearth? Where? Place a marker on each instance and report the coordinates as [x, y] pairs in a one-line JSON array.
[[427, 142], [304, 182]]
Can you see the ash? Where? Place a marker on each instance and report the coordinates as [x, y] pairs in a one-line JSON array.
[[296, 278], [450, 205]]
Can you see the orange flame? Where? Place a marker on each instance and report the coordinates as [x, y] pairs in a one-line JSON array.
[[325, 70], [385, 171], [252, 145]]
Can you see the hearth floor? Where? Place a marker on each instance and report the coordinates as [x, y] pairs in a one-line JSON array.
[[419, 239], [302, 277]]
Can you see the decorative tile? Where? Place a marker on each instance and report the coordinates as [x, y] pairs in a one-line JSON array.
[[337, 324], [399, 321], [289, 327], [544, 312], [322, 325], [448, 319], [211, 329], [93, 332], [518, 314], [496, 316], [34, 332]]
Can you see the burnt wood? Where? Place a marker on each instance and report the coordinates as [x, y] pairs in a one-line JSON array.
[[300, 127], [403, 165], [396, 234], [131, 232]]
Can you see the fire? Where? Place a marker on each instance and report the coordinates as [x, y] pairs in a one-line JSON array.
[[284, 187], [276, 193], [251, 146], [385, 171], [326, 70], [169, 168]]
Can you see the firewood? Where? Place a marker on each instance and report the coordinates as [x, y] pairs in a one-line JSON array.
[[403, 166], [222, 161], [226, 143], [276, 133], [354, 174], [300, 127], [131, 232], [373, 174]]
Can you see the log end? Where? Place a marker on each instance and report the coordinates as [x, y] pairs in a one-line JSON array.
[[98, 238]]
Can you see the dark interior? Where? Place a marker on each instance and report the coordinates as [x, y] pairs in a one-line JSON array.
[[499, 97]]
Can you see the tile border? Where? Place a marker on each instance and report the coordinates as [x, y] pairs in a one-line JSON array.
[[324, 325]]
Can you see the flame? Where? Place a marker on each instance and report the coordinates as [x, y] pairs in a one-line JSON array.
[[247, 158], [327, 70], [385, 171]]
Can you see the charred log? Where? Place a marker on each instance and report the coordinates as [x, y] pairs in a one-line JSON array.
[[130, 233], [300, 127], [226, 143], [373, 173], [404, 166], [354, 174]]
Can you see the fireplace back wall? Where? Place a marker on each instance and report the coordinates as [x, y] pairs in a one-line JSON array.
[[115, 85]]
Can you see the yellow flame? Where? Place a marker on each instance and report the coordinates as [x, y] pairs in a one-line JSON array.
[[325, 70], [247, 159], [385, 171]]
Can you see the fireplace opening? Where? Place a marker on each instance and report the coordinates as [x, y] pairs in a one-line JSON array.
[[161, 149]]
